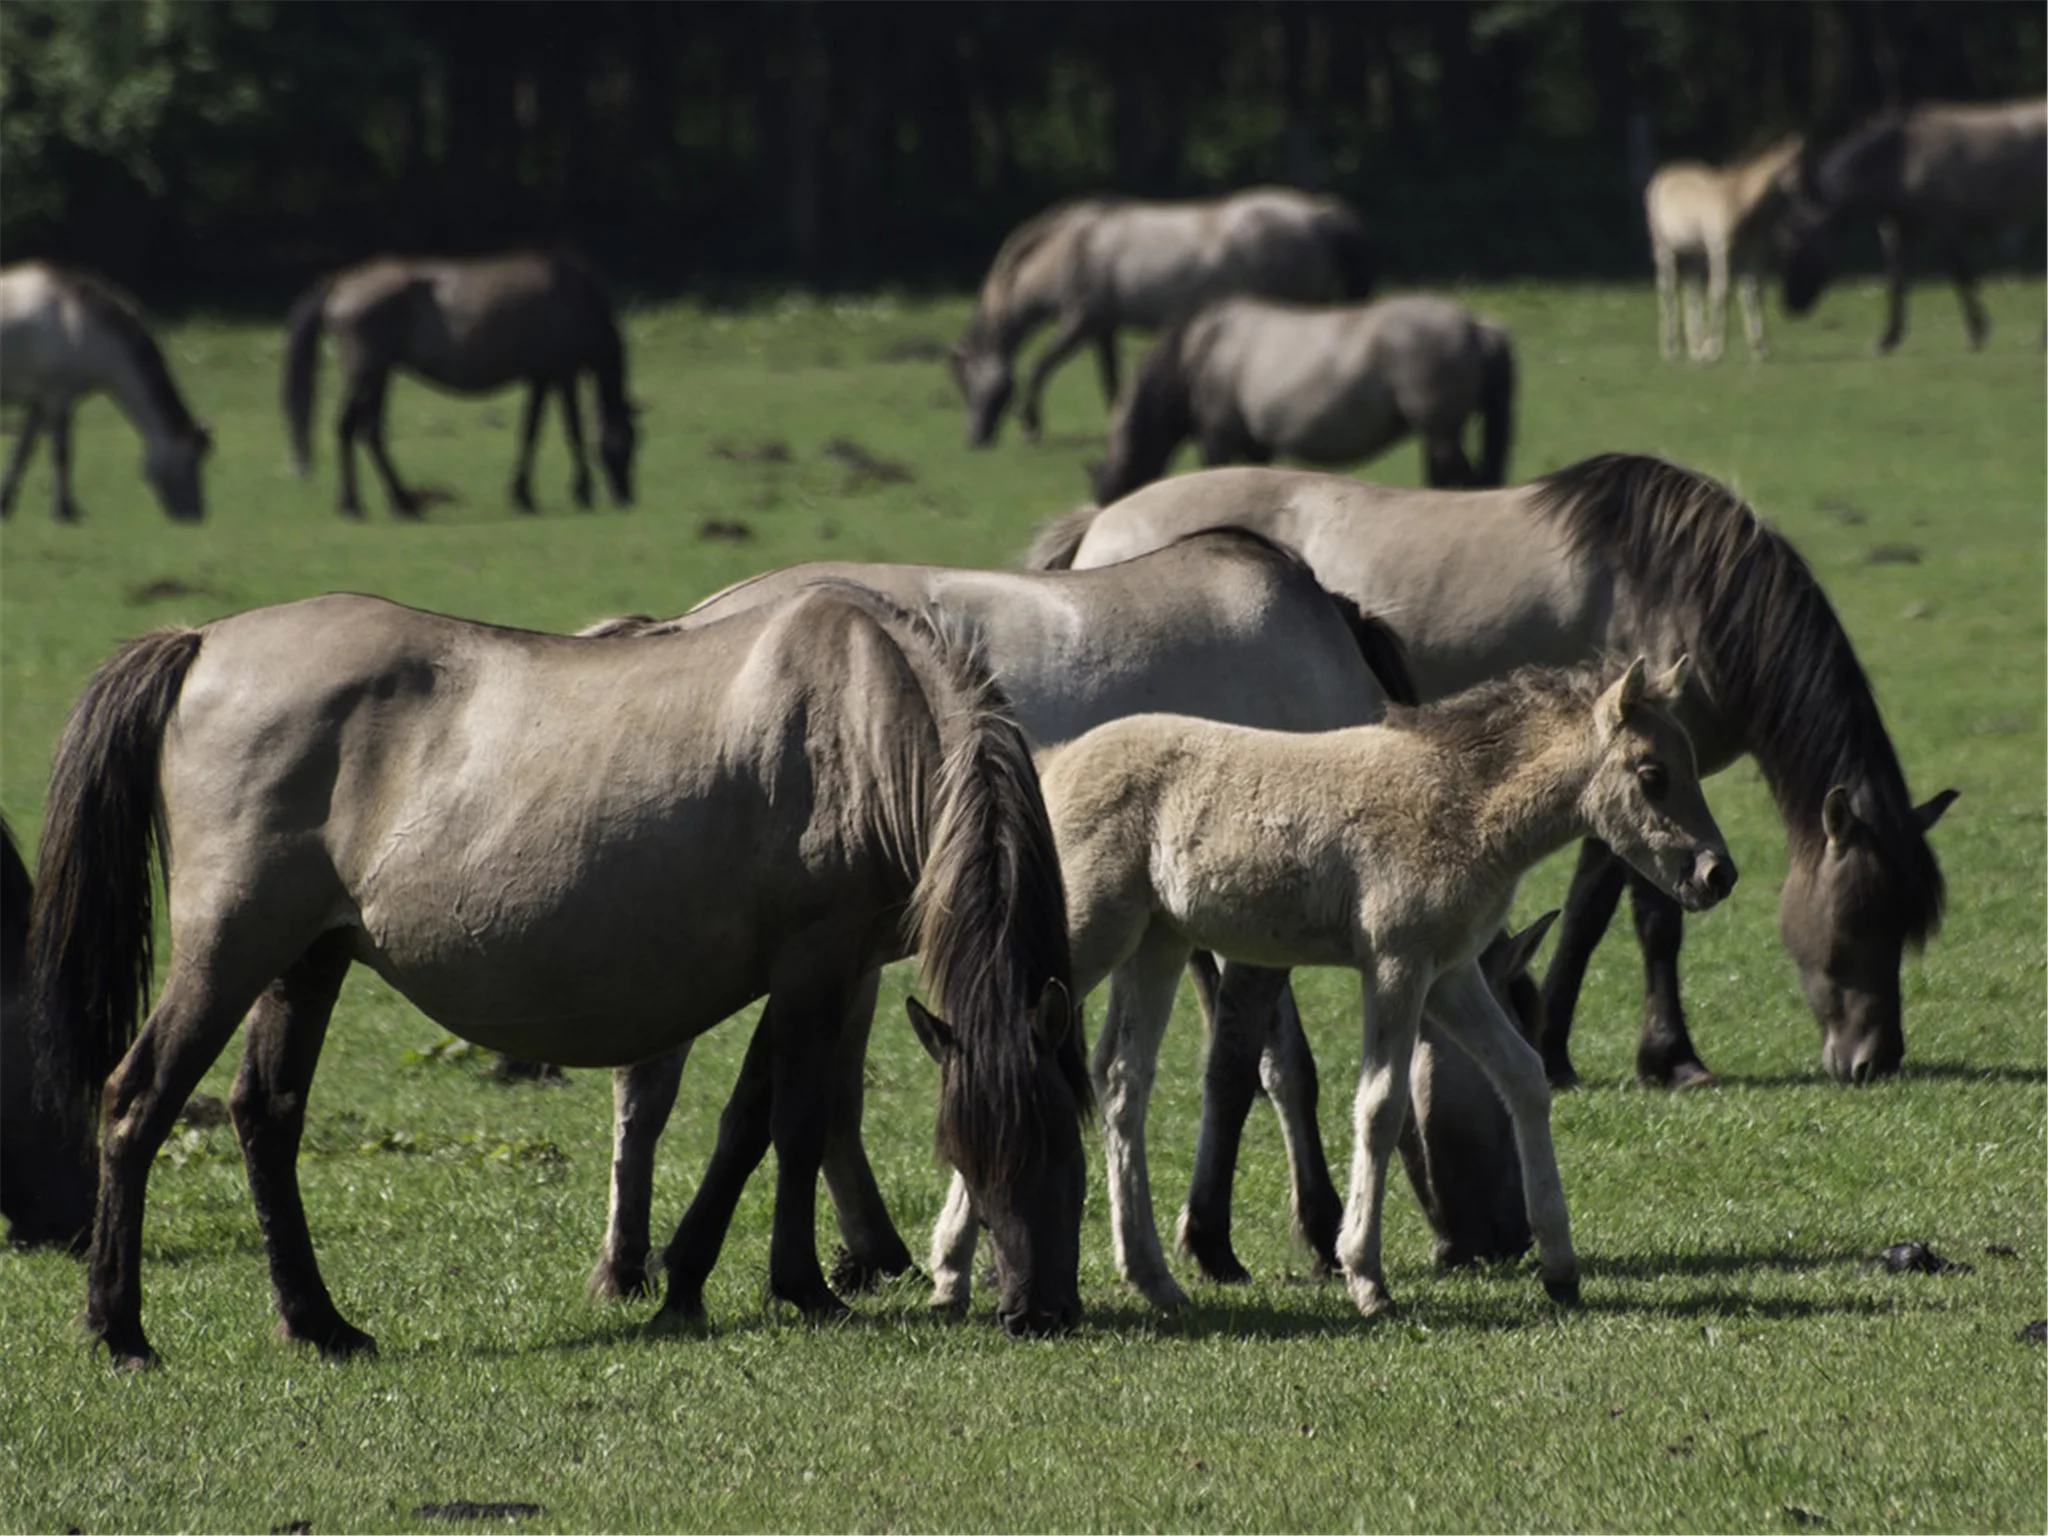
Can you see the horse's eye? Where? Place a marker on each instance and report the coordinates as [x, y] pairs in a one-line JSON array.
[[1654, 781]]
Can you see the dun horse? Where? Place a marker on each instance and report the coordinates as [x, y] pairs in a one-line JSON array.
[[1723, 220], [1251, 378], [473, 326], [1225, 626], [65, 335], [585, 852], [1625, 554], [1950, 174], [1392, 849], [1098, 264]]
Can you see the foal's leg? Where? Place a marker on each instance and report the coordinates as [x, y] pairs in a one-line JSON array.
[[643, 1097], [24, 444], [1237, 1007], [1667, 301], [1464, 1007], [1893, 236], [1126, 1060], [1073, 329], [1748, 289], [1393, 1016], [529, 430], [1588, 909], [572, 426], [1665, 1056], [1717, 302], [281, 1047]]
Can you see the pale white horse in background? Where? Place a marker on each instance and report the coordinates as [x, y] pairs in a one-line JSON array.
[[65, 334], [1392, 849], [1722, 219], [1100, 263]]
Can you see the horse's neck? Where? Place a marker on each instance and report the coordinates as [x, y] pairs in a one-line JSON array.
[[1534, 808], [1753, 179], [144, 394]]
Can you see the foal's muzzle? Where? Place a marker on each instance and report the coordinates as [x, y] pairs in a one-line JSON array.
[[1713, 877]]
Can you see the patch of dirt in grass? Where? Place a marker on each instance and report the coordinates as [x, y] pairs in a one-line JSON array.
[[165, 588], [768, 451], [865, 471]]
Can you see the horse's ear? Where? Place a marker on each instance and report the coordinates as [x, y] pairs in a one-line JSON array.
[[1672, 683], [1837, 818], [1929, 813], [933, 1032], [1053, 1019], [1523, 946]]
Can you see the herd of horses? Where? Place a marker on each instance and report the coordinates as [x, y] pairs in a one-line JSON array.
[[1262, 717]]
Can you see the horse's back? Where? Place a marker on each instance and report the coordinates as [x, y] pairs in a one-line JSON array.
[[1986, 162], [1158, 260], [58, 336]]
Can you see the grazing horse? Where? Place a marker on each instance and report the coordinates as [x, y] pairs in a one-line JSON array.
[[1951, 173], [1226, 626], [1251, 378], [47, 1160], [472, 325], [1722, 219], [580, 851], [1392, 849], [1623, 553], [65, 334], [1100, 263]]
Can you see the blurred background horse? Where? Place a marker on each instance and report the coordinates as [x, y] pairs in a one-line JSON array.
[[1722, 220]]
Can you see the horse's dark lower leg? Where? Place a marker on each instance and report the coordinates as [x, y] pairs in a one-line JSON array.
[[1070, 333], [1665, 1056], [744, 1133], [403, 502], [1239, 1012], [281, 1047], [1287, 1070], [643, 1097], [1893, 236], [1445, 466], [572, 425], [1106, 366], [185, 1032], [1978, 323], [809, 1012], [1588, 909], [24, 444], [875, 1250], [62, 507], [529, 430]]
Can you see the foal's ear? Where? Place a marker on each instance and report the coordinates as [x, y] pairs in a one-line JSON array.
[[1053, 1019], [1928, 813], [1617, 701], [1672, 683], [933, 1032]]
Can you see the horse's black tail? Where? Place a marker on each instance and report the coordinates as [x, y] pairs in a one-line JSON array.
[[90, 948], [1385, 657], [301, 369], [1496, 402], [1054, 546], [1354, 251]]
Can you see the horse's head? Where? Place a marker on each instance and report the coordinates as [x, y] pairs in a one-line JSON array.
[[618, 436], [1644, 799], [1844, 923], [1149, 421], [981, 372], [1030, 1196], [171, 465]]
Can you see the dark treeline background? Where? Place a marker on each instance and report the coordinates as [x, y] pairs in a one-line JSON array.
[[224, 150]]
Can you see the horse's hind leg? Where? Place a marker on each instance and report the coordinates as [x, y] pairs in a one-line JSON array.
[[1665, 1056], [643, 1097], [572, 426], [1106, 365], [1588, 909], [62, 507], [1893, 236], [1966, 292], [281, 1047], [192, 1021], [364, 417], [1073, 329], [529, 430], [24, 444], [1444, 464]]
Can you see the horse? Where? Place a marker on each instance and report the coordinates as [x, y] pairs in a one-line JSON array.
[[1249, 378], [47, 1165], [1722, 218], [1224, 625], [66, 334], [1097, 264], [1392, 849], [473, 325], [1951, 173], [585, 852], [1625, 553]]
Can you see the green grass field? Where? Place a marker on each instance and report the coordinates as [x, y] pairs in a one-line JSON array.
[[1738, 1365]]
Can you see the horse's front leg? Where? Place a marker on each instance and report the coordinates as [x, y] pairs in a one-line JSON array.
[[1965, 276], [874, 1249], [1106, 365], [744, 1133], [1895, 238], [1392, 995], [62, 507], [643, 1097], [1588, 909], [954, 1236], [1665, 1056], [1126, 1062], [529, 432], [24, 444], [1073, 329], [281, 1047], [809, 999], [572, 427], [1464, 1008]]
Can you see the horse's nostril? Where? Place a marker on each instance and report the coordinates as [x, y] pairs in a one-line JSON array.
[[1720, 875]]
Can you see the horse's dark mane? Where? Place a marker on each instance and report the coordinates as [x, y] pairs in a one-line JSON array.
[[1154, 415], [984, 327], [1766, 646], [123, 316], [1843, 166]]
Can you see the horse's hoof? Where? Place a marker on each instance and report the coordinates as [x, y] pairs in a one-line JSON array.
[[1370, 1297], [349, 510], [1561, 1075], [673, 1320], [619, 1282], [850, 1276], [1692, 1074], [1564, 1292], [128, 1350], [341, 1342]]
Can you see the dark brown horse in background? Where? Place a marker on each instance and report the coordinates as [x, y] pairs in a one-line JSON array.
[[1949, 173], [472, 325]]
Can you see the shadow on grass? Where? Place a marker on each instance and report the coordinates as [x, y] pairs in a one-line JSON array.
[[1938, 1071]]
